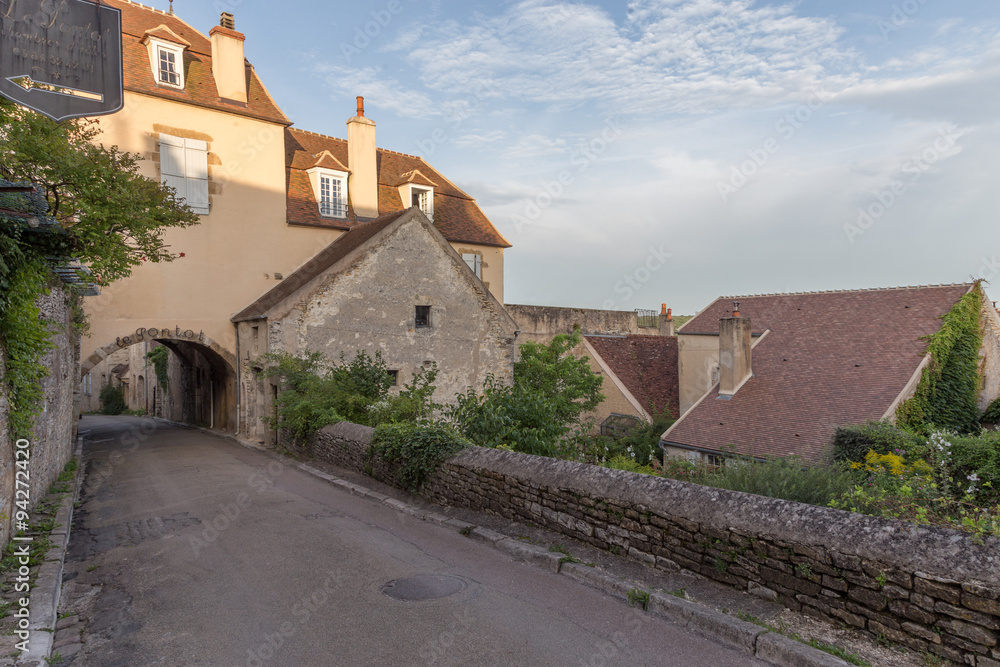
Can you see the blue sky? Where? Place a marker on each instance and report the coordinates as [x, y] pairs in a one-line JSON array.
[[653, 151]]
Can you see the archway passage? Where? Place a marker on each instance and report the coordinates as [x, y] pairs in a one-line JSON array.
[[200, 387]]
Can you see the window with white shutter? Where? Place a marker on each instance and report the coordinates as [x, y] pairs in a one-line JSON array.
[[475, 263], [184, 167]]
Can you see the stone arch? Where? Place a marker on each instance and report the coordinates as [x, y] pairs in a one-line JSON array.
[[102, 352], [203, 387]]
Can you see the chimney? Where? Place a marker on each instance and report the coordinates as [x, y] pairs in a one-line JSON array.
[[361, 160], [228, 61], [734, 353], [666, 321]]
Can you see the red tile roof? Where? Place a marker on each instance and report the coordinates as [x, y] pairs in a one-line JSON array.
[[830, 359], [646, 365], [456, 214], [199, 83]]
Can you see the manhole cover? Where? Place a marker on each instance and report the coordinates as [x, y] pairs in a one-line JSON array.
[[423, 587]]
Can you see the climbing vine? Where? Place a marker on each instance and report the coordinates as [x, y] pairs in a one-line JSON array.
[[159, 356], [949, 387], [24, 338]]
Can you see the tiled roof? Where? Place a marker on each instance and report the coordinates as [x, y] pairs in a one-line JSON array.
[[199, 83], [456, 214], [830, 359], [646, 365]]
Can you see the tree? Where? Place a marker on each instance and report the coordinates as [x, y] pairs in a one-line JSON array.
[[540, 411], [79, 200], [110, 216], [565, 379]]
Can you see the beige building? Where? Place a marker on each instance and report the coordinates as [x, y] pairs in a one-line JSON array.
[[270, 198]]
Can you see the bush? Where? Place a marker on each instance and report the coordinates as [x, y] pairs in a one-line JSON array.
[[643, 444], [786, 478], [418, 448], [975, 466], [852, 443], [112, 400]]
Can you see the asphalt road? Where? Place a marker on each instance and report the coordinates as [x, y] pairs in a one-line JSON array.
[[188, 549]]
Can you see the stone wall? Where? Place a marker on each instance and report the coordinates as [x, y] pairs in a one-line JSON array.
[[541, 323], [929, 589], [55, 428]]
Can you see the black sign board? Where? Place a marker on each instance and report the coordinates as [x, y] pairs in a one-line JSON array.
[[61, 58]]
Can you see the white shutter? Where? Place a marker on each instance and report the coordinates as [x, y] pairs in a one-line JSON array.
[[479, 267], [475, 262], [196, 153], [172, 164]]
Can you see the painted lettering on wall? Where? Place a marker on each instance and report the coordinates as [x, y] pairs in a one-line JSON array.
[[176, 333]]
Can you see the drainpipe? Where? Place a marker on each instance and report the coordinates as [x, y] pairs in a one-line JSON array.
[[145, 373], [211, 401], [239, 366]]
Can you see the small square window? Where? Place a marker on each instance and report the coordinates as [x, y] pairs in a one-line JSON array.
[[423, 316], [394, 378]]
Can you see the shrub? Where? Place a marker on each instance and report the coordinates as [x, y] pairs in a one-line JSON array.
[[852, 443], [418, 448], [112, 400], [643, 443], [787, 478]]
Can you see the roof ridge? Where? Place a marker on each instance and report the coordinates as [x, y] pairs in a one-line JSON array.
[[384, 150], [843, 291]]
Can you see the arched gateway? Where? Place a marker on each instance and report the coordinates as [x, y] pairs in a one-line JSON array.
[[201, 377]]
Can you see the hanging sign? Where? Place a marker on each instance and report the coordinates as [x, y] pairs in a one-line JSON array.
[[61, 58]]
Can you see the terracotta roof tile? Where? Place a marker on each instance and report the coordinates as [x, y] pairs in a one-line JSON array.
[[456, 214], [199, 83], [646, 365], [830, 359]]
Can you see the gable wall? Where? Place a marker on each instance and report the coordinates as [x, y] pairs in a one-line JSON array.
[[371, 306]]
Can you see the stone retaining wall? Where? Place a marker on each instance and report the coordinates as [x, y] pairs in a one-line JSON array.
[[930, 589], [53, 439]]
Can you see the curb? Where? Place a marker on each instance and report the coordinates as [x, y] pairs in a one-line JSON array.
[[727, 630], [44, 606]]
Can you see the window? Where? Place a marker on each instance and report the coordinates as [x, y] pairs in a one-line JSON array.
[[423, 316], [394, 378], [167, 60], [331, 197], [168, 67], [475, 262], [184, 166], [423, 199], [330, 188]]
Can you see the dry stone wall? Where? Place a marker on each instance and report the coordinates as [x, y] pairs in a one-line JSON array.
[[929, 589]]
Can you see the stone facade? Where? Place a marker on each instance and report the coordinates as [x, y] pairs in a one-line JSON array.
[[929, 589], [55, 428], [541, 323], [367, 298]]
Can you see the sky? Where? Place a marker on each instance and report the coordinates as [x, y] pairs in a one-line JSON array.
[[672, 151]]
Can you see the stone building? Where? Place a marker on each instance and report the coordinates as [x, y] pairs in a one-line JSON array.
[[393, 285], [270, 197]]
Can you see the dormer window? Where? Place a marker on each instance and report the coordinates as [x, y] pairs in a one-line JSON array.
[[420, 196], [330, 188], [169, 72], [166, 56]]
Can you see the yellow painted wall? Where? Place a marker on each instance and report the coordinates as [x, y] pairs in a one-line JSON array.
[[698, 367], [233, 255]]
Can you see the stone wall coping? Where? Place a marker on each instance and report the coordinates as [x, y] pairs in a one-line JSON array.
[[939, 552]]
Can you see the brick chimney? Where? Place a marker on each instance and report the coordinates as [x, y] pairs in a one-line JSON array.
[[666, 321], [228, 61], [734, 353], [361, 160]]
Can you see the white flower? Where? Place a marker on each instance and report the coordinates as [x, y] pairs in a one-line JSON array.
[[973, 477]]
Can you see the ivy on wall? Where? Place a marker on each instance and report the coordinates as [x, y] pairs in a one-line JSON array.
[[947, 396], [159, 356], [24, 337]]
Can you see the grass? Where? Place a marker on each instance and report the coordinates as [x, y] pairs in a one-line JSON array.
[[637, 596], [843, 654], [91, 568]]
